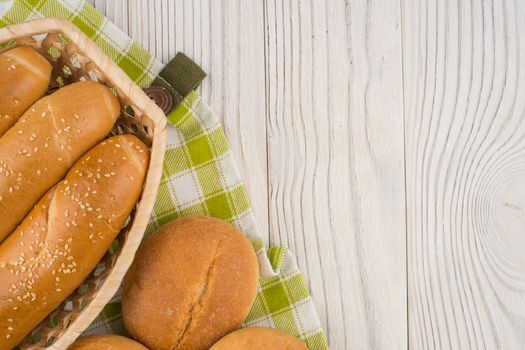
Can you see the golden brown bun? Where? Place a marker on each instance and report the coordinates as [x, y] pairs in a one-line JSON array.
[[66, 234], [106, 342], [39, 149], [259, 338], [191, 283], [24, 78]]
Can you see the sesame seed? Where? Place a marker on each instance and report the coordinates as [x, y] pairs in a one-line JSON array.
[[20, 132], [58, 289]]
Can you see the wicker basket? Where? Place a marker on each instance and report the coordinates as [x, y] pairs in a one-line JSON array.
[[75, 57]]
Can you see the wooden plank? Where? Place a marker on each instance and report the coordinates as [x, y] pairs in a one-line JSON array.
[[336, 161], [227, 40], [464, 101]]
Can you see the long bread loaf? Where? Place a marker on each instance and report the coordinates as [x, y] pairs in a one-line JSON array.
[[66, 234], [39, 149], [24, 78]]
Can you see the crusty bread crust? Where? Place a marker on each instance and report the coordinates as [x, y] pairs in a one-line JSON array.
[[39, 149], [191, 283], [66, 234], [106, 342], [259, 338], [24, 78]]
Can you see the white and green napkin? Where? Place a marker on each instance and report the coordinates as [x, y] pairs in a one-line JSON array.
[[199, 177]]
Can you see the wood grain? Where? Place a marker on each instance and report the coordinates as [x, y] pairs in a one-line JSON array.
[[227, 39], [335, 145], [464, 100], [310, 94], [330, 121]]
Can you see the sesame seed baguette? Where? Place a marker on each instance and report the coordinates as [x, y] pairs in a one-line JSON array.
[[39, 149], [24, 78], [66, 234]]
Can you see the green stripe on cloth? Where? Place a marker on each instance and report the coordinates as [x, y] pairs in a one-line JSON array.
[[131, 57], [199, 177]]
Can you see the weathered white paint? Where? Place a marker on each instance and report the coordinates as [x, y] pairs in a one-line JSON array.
[[337, 109], [464, 100]]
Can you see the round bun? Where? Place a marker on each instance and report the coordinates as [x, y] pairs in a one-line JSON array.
[[192, 282], [259, 338], [106, 342]]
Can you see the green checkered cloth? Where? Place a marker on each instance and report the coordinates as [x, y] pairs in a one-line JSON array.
[[199, 178]]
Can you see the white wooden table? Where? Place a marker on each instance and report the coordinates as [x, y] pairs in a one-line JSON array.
[[383, 142]]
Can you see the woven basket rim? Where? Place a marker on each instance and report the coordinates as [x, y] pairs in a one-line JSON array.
[[145, 205]]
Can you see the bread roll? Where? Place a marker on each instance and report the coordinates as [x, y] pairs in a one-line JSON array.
[[258, 338], [66, 234], [191, 283], [106, 342], [24, 78], [39, 149]]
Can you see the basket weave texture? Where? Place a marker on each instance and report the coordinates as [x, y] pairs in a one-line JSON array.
[[75, 57]]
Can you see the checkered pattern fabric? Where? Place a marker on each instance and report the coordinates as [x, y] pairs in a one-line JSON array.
[[199, 178]]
